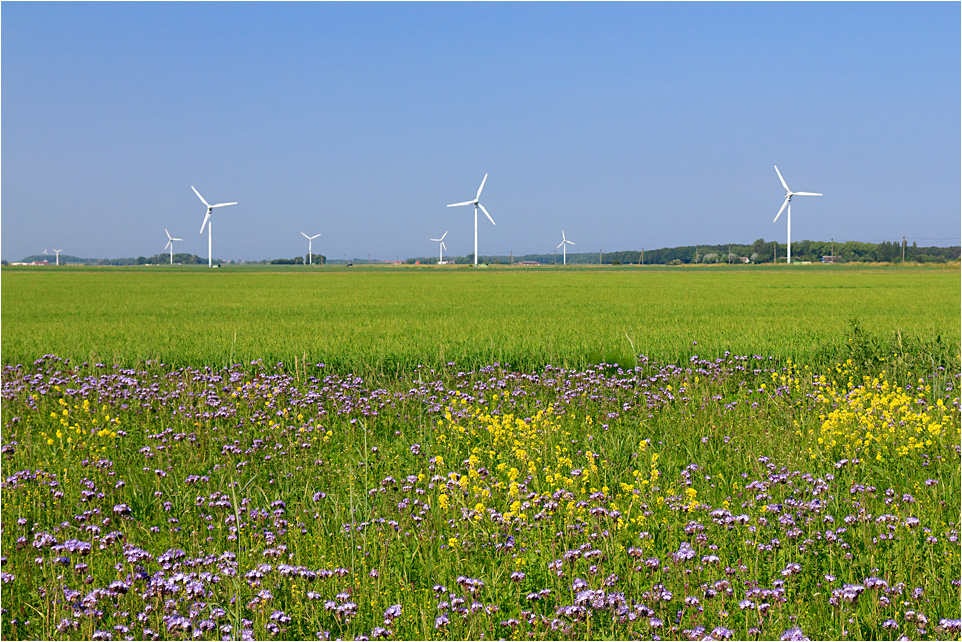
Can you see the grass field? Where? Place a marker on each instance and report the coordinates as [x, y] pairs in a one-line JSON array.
[[389, 318], [171, 482]]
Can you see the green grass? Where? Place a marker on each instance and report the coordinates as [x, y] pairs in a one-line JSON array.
[[198, 485], [386, 319]]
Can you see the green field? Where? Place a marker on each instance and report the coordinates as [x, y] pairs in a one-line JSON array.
[[187, 476], [363, 319]]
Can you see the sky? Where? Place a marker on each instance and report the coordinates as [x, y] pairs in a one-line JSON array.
[[628, 125]]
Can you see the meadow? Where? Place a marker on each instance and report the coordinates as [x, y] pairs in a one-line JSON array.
[[457, 455]]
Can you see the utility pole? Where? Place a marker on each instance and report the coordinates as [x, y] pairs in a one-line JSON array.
[[696, 255], [729, 253], [642, 255], [600, 262], [903, 249], [833, 249], [556, 256], [512, 257], [775, 251]]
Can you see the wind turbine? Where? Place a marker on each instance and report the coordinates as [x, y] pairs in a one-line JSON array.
[[170, 244], [441, 248], [310, 254], [58, 256], [788, 202], [476, 206], [564, 248], [207, 222]]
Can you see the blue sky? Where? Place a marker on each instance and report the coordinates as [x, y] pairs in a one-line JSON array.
[[626, 124]]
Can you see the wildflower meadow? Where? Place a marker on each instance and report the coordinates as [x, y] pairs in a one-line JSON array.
[[725, 496]]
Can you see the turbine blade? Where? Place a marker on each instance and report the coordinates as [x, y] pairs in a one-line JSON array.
[[784, 184], [204, 224], [435, 240], [168, 244], [305, 235], [482, 187], [166, 232], [781, 210], [199, 196], [224, 204], [563, 239], [176, 239], [486, 211], [807, 194], [443, 235], [570, 242], [443, 246], [460, 204], [560, 244]]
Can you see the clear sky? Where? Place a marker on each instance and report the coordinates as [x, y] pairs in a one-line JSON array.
[[626, 124]]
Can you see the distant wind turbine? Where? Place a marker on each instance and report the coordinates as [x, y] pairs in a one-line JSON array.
[[564, 248], [46, 253], [207, 222], [58, 256], [310, 253], [788, 202], [476, 206], [170, 244], [442, 247]]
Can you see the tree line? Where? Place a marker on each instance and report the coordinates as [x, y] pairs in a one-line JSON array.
[[761, 251]]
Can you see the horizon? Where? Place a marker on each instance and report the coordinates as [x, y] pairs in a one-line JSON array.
[[646, 125], [909, 243]]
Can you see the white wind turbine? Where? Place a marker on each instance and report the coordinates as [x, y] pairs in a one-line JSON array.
[[441, 248], [58, 255], [310, 253], [476, 206], [564, 248], [207, 222], [788, 202], [170, 244]]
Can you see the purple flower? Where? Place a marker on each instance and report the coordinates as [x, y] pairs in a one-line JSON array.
[[393, 612], [793, 633]]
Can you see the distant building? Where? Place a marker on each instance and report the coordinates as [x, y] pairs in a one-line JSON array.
[[830, 259], [527, 263]]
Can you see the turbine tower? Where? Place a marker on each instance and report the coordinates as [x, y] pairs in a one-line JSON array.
[[207, 222], [476, 204], [58, 255], [441, 248], [788, 201], [170, 245], [310, 253], [564, 248]]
